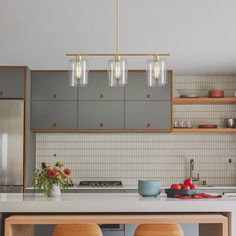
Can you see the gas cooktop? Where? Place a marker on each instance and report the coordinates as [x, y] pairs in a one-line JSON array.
[[100, 184]]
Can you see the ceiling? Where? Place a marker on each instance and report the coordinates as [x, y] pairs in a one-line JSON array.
[[199, 35]]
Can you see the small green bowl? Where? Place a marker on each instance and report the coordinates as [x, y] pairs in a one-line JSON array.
[[148, 188]]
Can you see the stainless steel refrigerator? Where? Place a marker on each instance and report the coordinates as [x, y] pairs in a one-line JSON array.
[[11, 145]]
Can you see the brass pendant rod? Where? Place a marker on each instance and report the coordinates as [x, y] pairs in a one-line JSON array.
[[118, 54], [118, 27]]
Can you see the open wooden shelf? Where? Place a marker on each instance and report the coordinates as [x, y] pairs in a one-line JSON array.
[[201, 130], [203, 100]]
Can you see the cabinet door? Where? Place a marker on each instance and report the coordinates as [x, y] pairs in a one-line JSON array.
[[101, 115], [12, 82], [138, 90], [98, 89], [51, 85], [54, 115], [148, 115]]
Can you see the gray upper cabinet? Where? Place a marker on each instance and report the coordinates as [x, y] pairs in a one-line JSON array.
[[98, 89], [138, 90], [52, 85], [149, 115], [12, 82], [56, 106], [98, 115], [54, 115]]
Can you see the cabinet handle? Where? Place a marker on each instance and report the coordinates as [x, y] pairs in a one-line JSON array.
[[148, 125], [101, 95], [148, 96], [54, 95], [54, 125], [1, 92], [101, 124]]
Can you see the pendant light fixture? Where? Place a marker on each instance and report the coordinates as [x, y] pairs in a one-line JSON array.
[[117, 72], [117, 67], [78, 72], [156, 72]]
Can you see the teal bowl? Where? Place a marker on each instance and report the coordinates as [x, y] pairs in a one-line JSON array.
[[148, 188]]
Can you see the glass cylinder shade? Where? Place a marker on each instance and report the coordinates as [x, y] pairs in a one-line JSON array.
[[117, 73], [78, 72], [162, 81], [156, 73]]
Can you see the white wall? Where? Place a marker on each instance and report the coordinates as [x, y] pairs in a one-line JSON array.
[[199, 35]]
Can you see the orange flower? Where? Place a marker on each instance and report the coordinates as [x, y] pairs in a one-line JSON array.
[[59, 164], [52, 173], [67, 171]]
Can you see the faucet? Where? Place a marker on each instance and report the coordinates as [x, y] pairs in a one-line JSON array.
[[191, 171]]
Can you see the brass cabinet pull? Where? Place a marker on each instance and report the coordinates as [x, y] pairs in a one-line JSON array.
[[148, 96], [148, 125], [54, 125], [1, 92], [101, 124], [54, 95], [101, 95]]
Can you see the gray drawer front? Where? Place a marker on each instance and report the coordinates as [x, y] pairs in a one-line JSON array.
[[12, 82], [101, 115], [138, 90], [99, 90], [148, 115], [52, 86], [54, 115]]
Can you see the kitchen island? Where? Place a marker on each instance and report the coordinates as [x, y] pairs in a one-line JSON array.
[[114, 207]]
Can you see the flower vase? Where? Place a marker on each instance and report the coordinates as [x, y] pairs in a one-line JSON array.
[[55, 191]]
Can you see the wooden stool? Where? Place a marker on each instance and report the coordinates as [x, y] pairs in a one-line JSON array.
[[158, 230], [77, 230]]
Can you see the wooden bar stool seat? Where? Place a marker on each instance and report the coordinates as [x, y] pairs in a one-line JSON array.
[[77, 230], [159, 230]]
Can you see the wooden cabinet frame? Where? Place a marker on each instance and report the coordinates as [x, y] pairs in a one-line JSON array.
[[214, 224]]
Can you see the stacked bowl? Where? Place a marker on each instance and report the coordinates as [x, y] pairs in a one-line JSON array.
[[149, 188]]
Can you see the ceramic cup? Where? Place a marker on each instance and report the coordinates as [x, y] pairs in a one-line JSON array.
[[148, 188]]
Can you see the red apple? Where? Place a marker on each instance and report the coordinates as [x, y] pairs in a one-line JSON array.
[[193, 186], [188, 181], [172, 186], [186, 187], [176, 186]]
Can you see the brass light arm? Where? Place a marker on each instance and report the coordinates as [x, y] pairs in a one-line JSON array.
[[118, 54]]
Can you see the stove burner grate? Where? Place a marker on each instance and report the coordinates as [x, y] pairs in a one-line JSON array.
[[100, 183]]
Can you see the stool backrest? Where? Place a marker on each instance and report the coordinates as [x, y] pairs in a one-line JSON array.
[[77, 230], [158, 230]]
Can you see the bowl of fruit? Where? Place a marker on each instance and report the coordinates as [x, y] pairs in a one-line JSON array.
[[185, 188]]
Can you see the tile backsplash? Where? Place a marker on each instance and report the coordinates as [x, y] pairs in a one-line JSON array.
[[129, 157], [164, 156]]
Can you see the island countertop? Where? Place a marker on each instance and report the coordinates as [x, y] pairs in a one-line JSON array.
[[110, 203]]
